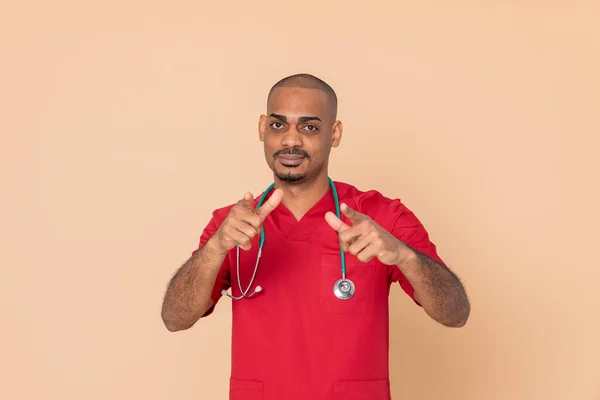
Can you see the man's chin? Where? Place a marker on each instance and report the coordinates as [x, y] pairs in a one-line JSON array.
[[290, 176]]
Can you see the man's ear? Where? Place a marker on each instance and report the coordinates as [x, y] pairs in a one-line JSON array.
[[262, 122], [337, 131]]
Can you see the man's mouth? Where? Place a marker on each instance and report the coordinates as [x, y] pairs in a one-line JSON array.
[[290, 160]]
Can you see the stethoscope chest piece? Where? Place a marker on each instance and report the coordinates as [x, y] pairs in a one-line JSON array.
[[344, 289]]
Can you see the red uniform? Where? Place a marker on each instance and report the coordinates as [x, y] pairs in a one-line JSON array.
[[295, 340]]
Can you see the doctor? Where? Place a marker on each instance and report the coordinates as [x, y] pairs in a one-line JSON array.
[[308, 266]]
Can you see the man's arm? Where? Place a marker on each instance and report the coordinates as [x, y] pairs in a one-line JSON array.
[[188, 295], [437, 289]]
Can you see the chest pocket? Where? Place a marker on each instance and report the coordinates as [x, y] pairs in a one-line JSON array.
[[361, 274]]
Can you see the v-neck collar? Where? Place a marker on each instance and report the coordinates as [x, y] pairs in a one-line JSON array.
[[302, 230]]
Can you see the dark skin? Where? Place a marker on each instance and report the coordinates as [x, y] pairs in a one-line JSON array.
[[301, 119], [298, 131]]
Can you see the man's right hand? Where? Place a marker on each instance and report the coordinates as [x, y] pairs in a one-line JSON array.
[[243, 222]]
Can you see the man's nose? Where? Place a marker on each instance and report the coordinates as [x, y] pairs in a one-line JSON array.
[[292, 138]]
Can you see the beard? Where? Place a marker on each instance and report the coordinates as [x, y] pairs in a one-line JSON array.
[[290, 177]]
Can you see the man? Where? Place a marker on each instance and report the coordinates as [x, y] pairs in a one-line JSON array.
[[311, 322]]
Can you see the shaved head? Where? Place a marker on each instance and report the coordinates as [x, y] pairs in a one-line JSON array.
[[307, 81]]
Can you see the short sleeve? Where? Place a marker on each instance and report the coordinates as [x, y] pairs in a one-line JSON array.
[[409, 229], [223, 280]]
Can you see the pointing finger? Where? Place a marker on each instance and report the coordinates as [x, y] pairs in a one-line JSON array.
[[336, 223], [247, 200], [271, 204], [352, 215]]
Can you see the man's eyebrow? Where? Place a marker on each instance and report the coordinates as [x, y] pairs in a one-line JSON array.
[[301, 119], [306, 119], [279, 117]]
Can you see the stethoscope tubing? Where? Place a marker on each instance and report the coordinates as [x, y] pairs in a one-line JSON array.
[[244, 293]]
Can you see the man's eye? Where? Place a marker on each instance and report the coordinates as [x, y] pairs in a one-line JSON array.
[[277, 125], [311, 128]]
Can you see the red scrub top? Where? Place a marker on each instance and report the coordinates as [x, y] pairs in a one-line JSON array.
[[295, 340]]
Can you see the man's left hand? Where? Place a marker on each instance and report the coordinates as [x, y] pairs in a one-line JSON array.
[[366, 239]]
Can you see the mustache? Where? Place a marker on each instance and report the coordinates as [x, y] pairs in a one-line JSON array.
[[292, 151]]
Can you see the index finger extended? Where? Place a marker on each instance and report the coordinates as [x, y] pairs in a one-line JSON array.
[[272, 202], [352, 214]]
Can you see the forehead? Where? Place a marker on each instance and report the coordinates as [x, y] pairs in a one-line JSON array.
[[297, 102]]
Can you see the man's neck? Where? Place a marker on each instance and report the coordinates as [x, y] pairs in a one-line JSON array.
[[301, 197]]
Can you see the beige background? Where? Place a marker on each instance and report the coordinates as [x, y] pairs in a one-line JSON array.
[[116, 123]]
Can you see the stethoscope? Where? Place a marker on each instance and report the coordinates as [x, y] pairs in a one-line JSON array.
[[343, 288]]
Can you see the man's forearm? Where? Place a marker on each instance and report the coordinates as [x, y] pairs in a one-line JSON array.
[[437, 289], [188, 295]]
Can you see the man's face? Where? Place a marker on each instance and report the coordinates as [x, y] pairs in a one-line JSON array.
[[298, 132]]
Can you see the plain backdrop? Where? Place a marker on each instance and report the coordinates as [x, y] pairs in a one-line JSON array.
[[124, 124]]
